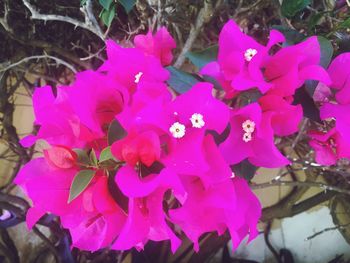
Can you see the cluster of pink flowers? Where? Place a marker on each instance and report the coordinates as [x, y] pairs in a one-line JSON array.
[[166, 174], [332, 142]]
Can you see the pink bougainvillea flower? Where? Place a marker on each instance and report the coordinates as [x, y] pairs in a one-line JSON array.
[[329, 147], [100, 219], [240, 60], [251, 137], [47, 185], [288, 69], [143, 147], [103, 99], [58, 123], [339, 71], [130, 66], [93, 218], [185, 124], [60, 157], [146, 221], [322, 93], [341, 114], [228, 205], [285, 117], [159, 45]]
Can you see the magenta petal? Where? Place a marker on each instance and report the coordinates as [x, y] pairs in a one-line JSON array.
[[33, 215], [343, 95], [341, 114], [285, 117], [136, 228], [186, 154], [266, 153], [215, 113], [315, 72], [275, 37], [338, 70], [47, 186]]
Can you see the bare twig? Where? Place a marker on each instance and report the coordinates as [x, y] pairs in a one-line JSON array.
[[322, 186], [26, 59], [326, 230], [203, 17], [89, 24]]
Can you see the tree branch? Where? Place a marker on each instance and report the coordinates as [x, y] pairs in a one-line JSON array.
[[203, 17], [26, 59], [90, 23]]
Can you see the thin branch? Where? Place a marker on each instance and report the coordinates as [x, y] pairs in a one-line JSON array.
[[322, 186], [89, 24], [203, 16], [26, 59], [326, 230]]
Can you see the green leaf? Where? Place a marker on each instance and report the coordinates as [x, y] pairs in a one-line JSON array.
[[203, 57], [83, 157], [304, 97], [115, 132], [106, 4], [107, 16], [106, 154], [93, 157], [326, 57], [80, 182], [244, 169], [83, 2], [326, 51], [291, 7], [180, 81], [314, 20], [127, 4], [345, 24], [292, 36]]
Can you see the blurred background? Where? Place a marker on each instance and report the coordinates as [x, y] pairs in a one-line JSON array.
[[45, 42]]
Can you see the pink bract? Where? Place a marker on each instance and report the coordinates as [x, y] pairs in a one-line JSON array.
[[260, 149], [159, 45], [233, 65]]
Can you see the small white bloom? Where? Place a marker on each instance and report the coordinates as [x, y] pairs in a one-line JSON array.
[[197, 120], [248, 126], [247, 137], [250, 53], [178, 130], [138, 76]]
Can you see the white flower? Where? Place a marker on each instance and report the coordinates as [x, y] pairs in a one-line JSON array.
[[250, 53], [178, 130], [197, 120], [247, 137], [248, 126], [138, 76]]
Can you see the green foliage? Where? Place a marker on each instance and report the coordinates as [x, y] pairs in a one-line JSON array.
[[203, 57], [80, 182], [244, 169], [291, 7], [128, 4], [106, 4], [83, 158], [115, 132], [93, 157], [326, 51], [106, 154], [107, 15], [345, 24], [83, 2], [292, 36], [180, 81]]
